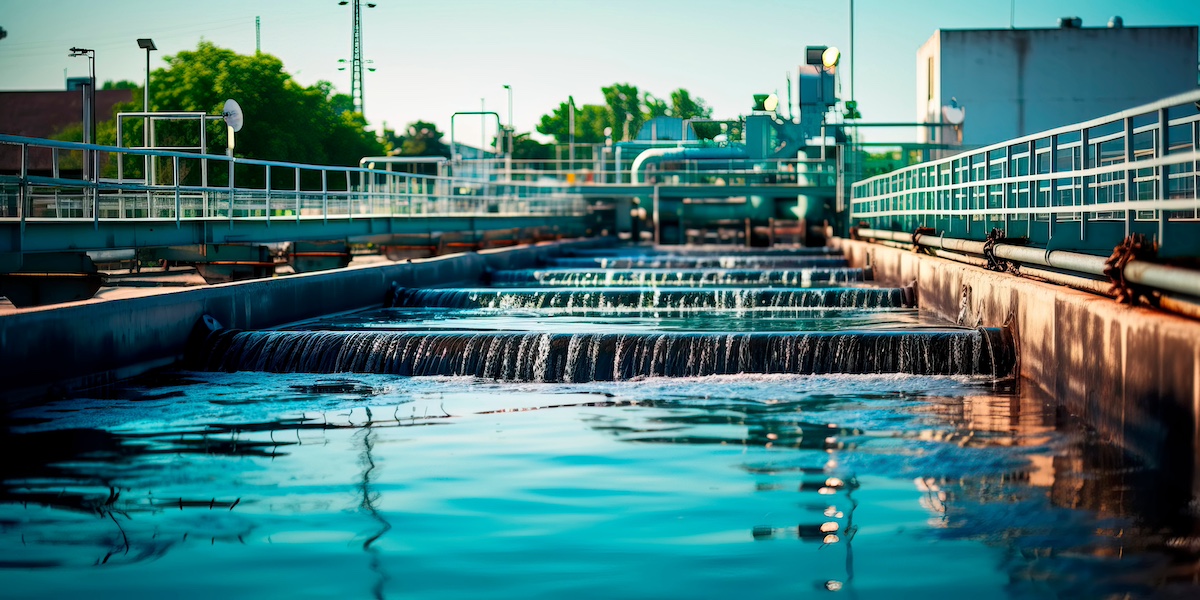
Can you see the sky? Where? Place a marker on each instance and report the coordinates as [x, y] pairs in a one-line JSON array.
[[437, 57]]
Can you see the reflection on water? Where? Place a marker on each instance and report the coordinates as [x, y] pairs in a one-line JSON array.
[[252, 484]]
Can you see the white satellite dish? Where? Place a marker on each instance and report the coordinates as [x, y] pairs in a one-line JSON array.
[[233, 115], [953, 115]]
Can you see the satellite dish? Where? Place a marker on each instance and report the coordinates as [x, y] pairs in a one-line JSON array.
[[953, 115], [233, 115]]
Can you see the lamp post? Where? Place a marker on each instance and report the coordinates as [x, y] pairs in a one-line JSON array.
[[147, 44], [511, 132], [91, 161]]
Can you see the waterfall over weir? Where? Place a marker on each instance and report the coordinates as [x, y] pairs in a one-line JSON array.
[[702, 251], [668, 261], [602, 357], [664, 298], [676, 277]]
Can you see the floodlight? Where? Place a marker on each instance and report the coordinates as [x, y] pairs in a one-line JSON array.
[[830, 57]]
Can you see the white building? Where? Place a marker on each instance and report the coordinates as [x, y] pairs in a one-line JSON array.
[[1014, 82]]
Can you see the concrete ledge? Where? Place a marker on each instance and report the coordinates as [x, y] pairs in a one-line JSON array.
[[51, 351], [1131, 373]]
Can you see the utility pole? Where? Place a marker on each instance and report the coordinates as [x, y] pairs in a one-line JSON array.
[[258, 35]]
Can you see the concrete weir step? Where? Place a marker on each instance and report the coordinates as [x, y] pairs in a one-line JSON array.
[[640, 298], [676, 277], [699, 262], [578, 357], [639, 251]]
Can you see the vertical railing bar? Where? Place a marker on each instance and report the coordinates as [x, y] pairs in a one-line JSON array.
[[1083, 183], [297, 169], [178, 199], [1130, 175], [267, 198], [1164, 124]]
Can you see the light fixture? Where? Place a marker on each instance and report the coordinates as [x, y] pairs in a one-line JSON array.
[[771, 103], [830, 57], [146, 44]]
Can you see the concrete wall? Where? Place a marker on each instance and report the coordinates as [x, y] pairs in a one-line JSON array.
[[1131, 373], [1015, 82], [53, 350]]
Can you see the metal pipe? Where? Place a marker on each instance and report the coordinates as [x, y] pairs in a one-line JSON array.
[[1152, 275]]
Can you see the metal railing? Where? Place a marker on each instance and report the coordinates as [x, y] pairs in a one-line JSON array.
[[50, 185], [738, 171], [1084, 187]]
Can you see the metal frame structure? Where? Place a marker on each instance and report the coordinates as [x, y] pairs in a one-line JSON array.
[[288, 201], [1080, 187]]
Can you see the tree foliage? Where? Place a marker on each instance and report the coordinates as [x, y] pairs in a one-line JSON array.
[[625, 109], [284, 121], [419, 138]]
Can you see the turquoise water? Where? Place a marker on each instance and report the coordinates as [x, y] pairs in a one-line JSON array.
[[191, 484], [252, 485]]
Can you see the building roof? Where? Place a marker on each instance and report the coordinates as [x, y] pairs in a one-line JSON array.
[[43, 114]]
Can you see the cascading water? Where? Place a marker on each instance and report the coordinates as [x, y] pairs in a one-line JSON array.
[[676, 277], [665, 298], [698, 262], [582, 357]]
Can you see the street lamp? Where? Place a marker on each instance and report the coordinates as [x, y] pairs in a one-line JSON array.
[[89, 115], [146, 44]]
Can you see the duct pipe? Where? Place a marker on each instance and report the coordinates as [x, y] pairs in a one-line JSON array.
[[657, 155]]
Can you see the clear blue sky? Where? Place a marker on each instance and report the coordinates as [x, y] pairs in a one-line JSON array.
[[438, 57]]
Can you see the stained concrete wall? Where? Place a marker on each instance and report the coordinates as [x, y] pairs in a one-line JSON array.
[[1131, 373], [53, 350]]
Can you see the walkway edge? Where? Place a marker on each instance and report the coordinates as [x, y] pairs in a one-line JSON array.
[[53, 351]]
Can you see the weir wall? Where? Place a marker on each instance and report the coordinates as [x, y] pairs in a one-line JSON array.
[[53, 350], [1131, 373]]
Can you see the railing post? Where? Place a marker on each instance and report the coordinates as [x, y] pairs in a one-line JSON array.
[[267, 198], [54, 172], [23, 190], [178, 199], [1130, 176], [1083, 183], [1053, 187], [297, 194], [1164, 176], [231, 192], [325, 195]]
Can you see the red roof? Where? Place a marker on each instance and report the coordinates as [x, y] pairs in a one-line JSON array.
[[43, 114]]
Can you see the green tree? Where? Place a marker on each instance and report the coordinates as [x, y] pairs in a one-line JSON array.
[[625, 110], [123, 84], [526, 148], [656, 107], [686, 107], [590, 121], [284, 121], [419, 138]]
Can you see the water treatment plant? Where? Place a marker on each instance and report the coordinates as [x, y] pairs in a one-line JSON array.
[[669, 365]]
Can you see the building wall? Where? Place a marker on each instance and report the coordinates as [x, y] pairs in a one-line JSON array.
[[1014, 82]]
